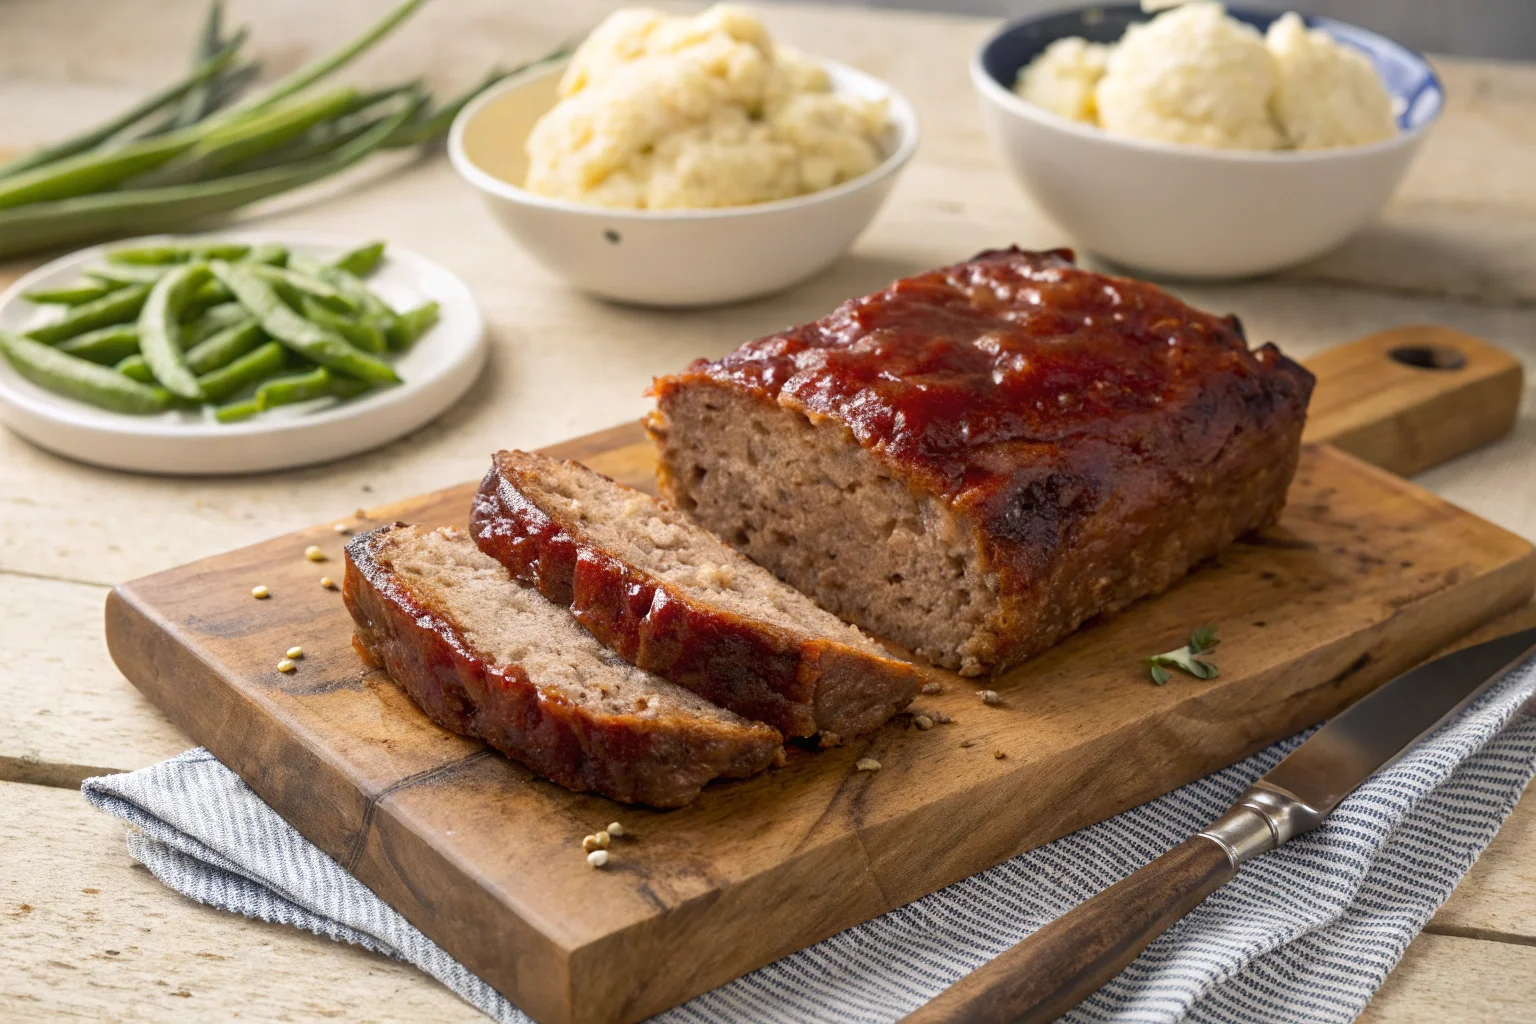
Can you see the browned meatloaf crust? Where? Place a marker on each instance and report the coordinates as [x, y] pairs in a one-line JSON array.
[[485, 656], [673, 599], [977, 459]]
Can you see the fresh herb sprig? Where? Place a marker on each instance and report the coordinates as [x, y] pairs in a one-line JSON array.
[[1202, 640]]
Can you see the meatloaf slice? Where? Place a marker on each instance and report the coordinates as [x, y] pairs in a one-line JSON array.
[[671, 598], [485, 656], [977, 459]]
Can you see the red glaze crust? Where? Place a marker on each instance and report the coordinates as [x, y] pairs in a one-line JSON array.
[[660, 762], [1096, 435], [798, 684]]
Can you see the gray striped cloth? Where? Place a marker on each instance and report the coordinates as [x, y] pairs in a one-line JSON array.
[[1305, 934]]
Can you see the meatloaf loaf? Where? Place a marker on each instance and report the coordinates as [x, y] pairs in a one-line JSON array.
[[976, 459], [673, 599], [485, 656]]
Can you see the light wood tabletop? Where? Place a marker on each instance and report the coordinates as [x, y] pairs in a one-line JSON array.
[[86, 933]]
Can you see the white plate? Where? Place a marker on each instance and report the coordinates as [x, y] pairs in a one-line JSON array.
[[436, 370]]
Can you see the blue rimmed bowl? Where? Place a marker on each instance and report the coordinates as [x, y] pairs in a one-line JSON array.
[[1188, 211]]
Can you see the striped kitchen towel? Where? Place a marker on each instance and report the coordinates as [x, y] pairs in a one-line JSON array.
[[1304, 934]]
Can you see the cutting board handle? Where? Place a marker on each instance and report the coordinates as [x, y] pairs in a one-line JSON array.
[[1413, 397]]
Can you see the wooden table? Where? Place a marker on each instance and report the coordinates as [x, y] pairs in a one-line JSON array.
[[87, 933]]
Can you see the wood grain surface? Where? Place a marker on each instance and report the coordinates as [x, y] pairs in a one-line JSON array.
[[1364, 575], [1452, 247]]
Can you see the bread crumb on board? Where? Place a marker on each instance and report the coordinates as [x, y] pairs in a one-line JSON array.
[[867, 764]]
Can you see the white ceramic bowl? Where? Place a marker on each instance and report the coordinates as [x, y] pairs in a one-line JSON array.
[[669, 257], [1184, 210]]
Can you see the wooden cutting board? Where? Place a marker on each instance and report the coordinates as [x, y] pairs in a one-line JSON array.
[[1365, 574]]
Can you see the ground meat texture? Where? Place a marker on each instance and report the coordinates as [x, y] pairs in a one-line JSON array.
[[485, 656], [672, 598], [975, 460]]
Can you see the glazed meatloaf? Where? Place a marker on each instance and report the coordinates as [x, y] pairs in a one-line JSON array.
[[977, 459], [672, 598], [485, 656]]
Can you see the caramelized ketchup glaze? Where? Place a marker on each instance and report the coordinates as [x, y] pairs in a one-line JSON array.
[[954, 374]]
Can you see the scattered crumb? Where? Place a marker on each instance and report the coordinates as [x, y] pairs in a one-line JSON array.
[[999, 754], [942, 718], [596, 841], [867, 764], [932, 688], [327, 583], [260, 593], [829, 739], [92, 892], [923, 722], [342, 528], [597, 858], [615, 829], [989, 696], [295, 652], [314, 554], [287, 665]]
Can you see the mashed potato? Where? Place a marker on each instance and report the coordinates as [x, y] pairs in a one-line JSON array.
[[1329, 95], [1065, 77], [1195, 76], [665, 112]]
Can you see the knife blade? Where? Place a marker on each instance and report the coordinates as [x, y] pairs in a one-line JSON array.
[[1070, 958]]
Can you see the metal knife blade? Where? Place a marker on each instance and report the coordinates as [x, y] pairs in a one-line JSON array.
[[1064, 962], [1369, 735]]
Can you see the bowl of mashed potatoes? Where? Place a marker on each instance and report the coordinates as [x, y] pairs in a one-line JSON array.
[[685, 160], [1205, 141]]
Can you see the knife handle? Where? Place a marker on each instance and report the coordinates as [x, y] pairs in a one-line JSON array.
[[1073, 956]]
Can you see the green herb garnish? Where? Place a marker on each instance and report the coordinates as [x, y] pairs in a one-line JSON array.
[[1202, 640]]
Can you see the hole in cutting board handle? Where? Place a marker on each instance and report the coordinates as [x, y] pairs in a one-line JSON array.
[[1428, 357]]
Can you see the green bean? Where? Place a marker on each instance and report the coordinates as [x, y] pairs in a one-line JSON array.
[[242, 138], [298, 285], [254, 366], [159, 255], [80, 379], [74, 295], [101, 133], [93, 170], [360, 331], [128, 210], [269, 253], [106, 346], [160, 329], [376, 314], [362, 261], [225, 347], [311, 73], [127, 273], [135, 368], [195, 105], [115, 307], [412, 324], [207, 323], [348, 387], [297, 388], [299, 334], [427, 125], [234, 412]]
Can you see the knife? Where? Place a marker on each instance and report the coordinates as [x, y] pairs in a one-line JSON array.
[[1070, 958]]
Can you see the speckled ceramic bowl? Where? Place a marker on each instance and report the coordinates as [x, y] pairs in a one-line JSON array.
[[670, 257]]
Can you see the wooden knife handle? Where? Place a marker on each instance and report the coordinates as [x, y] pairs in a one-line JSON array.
[[1069, 959]]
